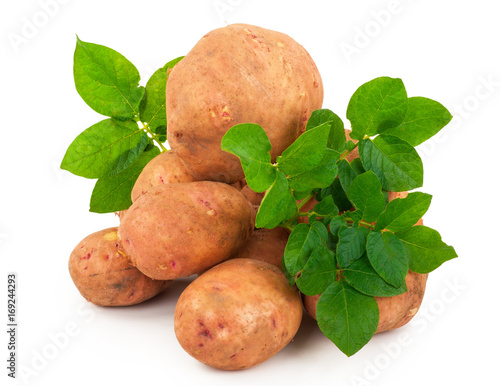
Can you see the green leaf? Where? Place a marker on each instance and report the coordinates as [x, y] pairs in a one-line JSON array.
[[365, 193], [424, 118], [250, 143], [105, 149], [402, 213], [112, 194], [161, 131], [326, 207], [289, 277], [350, 145], [425, 249], [387, 256], [320, 176], [347, 317], [319, 117], [152, 108], [319, 272], [278, 204], [361, 275], [107, 81], [346, 174], [306, 152], [339, 196], [335, 225], [301, 243], [376, 106], [352, 245], [395, 162], [336, 138], [357, 166]]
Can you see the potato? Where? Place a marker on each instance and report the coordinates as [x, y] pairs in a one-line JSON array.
[[104, 276], [265, 245], [237, 314], [180, 229], [238, 74], [394, 311], [165, 168], [398, 310], [254, 197]]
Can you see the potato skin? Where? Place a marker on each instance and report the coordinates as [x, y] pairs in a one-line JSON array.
[[395, 311], [238, 74], [398, 310], [180, 229], [237, 314], [265, 245], [165, 168], [104, 276], [253, 197]]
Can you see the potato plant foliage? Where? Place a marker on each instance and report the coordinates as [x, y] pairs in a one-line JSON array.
[[115, 150], [356, 244]]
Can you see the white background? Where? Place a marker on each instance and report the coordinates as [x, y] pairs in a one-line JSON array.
[[447, 50]]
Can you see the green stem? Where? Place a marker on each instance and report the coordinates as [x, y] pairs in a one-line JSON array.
[[305, 201], [361, 222], [347, 152], [286, 226], [366, 224], [154, 136]]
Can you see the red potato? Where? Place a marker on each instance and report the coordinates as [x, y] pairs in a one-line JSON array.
[[254, 197], [177, 230], [265, 245], [237, 314], [165, 168], [238, 74], [104, 276], [395, 311]]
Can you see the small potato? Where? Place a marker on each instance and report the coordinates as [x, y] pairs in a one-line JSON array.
[[265, 245], [104, 276], [238, 74], [237, 314], [177, 230], [165, 168], [395, 311]]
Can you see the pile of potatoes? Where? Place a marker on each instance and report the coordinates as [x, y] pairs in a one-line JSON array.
[[193, 214]]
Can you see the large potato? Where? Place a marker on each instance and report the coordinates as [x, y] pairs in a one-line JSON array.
[[165, 168], [237, 314], [395, 311], [104, 276], [238, 74], [176, 230]]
